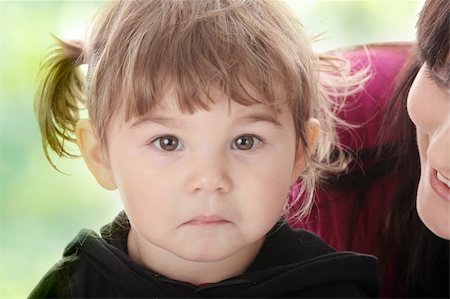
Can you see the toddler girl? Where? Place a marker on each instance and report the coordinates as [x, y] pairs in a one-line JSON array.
[[201, 114]]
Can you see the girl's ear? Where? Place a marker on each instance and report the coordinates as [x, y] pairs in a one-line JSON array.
[[312, 138], [91, 151]]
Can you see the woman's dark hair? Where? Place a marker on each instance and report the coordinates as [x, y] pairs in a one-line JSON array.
[[420, 258]]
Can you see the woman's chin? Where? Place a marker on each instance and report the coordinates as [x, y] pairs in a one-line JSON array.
[[434, 211]]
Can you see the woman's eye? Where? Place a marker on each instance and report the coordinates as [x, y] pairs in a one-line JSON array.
[[246, 142], [167, 143]]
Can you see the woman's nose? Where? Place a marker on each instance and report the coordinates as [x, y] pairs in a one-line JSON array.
[[439, 148]]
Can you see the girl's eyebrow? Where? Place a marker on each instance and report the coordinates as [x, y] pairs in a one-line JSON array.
[[162, 120], [175, 122], [257, 117]]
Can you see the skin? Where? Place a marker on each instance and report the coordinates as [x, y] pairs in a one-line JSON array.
[[199, 199], [429, 109]]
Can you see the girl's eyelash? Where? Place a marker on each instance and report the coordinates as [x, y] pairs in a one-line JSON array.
[[260, 139], [170, 144], [263, 141]]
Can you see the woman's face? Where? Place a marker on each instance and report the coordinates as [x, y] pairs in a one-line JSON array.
[[429, 109]]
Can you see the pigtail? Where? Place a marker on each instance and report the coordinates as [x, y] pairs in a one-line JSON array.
[[60, 91]]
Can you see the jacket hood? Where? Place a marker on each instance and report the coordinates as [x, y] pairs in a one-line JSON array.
[[289, 263]]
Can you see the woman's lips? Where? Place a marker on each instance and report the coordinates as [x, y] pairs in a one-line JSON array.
[[443, 179], [440, 184]]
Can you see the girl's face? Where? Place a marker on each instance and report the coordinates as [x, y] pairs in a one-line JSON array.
[[203, 187], [429, 109]]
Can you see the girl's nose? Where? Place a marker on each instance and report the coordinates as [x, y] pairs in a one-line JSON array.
[[209, 174]]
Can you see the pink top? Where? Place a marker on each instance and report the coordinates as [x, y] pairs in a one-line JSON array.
[[331, 217]]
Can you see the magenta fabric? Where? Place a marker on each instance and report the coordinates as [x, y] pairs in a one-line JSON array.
[[367, 107], [331, 217]]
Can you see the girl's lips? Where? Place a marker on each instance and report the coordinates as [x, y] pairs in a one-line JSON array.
[[439, 184], [207, 220]]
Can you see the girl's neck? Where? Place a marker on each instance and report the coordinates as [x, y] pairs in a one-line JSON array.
[[174, 267]]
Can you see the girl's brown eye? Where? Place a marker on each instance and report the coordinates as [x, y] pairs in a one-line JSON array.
[[167, 143], [245, 142]]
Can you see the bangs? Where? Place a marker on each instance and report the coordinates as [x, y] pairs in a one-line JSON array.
[[234, 48], [433, 34]]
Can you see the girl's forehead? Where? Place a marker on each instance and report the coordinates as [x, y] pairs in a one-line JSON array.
[[169, 106], [167, 113], [171, 101]]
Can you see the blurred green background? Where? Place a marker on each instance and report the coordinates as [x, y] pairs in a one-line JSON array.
[[41, 209]]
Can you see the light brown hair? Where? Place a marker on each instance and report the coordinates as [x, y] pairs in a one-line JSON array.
[[136, 47]]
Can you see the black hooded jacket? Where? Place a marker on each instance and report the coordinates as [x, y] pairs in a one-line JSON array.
[[291, 263]]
